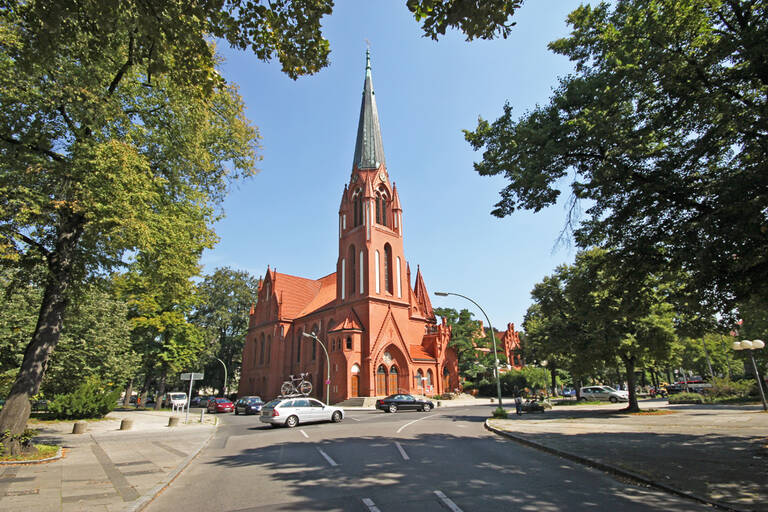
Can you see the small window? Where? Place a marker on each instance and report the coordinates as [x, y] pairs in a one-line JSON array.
[[349, 343]]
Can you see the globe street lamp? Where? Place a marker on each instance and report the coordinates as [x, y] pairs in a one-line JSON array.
[[493, 337], [753, 345], [327, 366]]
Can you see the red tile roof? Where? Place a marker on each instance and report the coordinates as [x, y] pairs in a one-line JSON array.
[[325, 295], [348, 324], [297, 293], [418, 352]]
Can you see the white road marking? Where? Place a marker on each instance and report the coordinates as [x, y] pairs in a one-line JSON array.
[[355, 419], [402, 452], [448, 502], [304, 434], [412, 422], [326, 457], [368, 502]]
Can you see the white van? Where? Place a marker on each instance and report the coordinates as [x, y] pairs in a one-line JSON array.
[[175, 399]]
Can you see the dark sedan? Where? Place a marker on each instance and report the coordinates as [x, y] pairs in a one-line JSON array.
[[401, 402], [249, 405], [220, 405]]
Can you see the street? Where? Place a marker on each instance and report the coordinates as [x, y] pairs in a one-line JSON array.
[[408, 461]]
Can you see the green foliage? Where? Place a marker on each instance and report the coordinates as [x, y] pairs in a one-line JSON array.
[[686, 398], [726, 388], [25, 438], [661, 129], [223, 300], [500, 413], [484, 20], [91, 399], [465, 334]]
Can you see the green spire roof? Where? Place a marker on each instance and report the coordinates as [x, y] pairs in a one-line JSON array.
[[369, 151]]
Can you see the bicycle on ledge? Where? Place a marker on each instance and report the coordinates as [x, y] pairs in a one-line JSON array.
[[296, 385]]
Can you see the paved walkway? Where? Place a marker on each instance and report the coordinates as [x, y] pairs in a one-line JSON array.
[[104, 469], [718, 454]]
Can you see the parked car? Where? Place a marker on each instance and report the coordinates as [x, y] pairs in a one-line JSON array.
[[289, 412], [249, 405], [569, 392], [175, 399], [220, 405], [604, 393], [397, 402], [195, 401], [203, 401]]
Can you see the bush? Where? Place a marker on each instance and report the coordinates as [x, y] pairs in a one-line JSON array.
[[686, 398], [25, 439], [726, 388], [92, 399], [500, 413]]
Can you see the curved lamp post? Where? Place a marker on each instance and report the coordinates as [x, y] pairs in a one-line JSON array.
[[327, 366], [224, 389], [753, 345], [493, 337]]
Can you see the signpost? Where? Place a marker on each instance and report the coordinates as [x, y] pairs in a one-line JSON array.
[[191, 377]]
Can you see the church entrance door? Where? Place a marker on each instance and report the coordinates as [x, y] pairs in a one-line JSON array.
[[355, 386], [393, 387], [381, 381]]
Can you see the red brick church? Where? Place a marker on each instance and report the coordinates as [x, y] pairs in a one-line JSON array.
[[381, 333]]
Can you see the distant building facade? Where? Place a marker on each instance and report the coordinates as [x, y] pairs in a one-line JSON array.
[[381, 333]]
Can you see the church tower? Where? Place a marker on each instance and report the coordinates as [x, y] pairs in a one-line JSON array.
[[371, 261]]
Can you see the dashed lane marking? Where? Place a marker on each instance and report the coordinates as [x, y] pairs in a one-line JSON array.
[[402, 452], [447, 501], [368, 502], [327, 457], [304, 434]]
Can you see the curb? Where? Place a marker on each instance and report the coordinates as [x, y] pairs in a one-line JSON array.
[[608, 468], [38, 461], [141, 503]]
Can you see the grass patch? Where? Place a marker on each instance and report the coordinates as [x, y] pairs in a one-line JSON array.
[[45, 420], [569, 403], [44, 451], [653, 412]]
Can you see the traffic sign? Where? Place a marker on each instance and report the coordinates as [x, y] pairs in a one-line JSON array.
[[191, 376]]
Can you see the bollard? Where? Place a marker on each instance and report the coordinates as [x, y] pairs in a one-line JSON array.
[[202, 413], [79, 427], [439, 403], [126, 424], [173, 421]]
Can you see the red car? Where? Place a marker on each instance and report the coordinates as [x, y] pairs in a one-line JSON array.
[[220, 405]]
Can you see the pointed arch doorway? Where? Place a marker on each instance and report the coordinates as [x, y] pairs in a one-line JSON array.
[[381, 380], [354, 381], [392, 385]]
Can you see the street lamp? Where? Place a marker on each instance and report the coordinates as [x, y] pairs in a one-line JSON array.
[[753, 345], [493, 337], [224, 389], [327, 366]]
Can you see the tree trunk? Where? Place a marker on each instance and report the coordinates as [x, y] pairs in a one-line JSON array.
[[128, 393], [160, 390], [15, 413], [554, 380], [629, 364]]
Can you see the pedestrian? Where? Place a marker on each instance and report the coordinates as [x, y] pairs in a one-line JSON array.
[[518, 405]]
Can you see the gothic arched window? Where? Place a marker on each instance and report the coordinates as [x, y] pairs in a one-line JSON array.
[[357, 206], [388, 268], [381, 207], [352, 270]]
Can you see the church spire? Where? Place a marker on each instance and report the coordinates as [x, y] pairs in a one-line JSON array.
[[369, 150]]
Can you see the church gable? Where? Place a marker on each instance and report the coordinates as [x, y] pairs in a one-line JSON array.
[[389, 334]]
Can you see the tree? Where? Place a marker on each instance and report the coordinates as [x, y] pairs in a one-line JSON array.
[[663, 130], [224, 298], [484, 20]]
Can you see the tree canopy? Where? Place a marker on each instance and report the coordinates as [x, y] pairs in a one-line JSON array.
[[663, 130]]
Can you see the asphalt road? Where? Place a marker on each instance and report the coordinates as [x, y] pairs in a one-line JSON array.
[[408, 461]]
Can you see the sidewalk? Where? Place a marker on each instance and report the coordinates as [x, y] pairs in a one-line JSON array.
[[105, 468], [715, 454]]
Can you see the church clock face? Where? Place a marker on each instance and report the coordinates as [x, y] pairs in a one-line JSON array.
[[383, 176]]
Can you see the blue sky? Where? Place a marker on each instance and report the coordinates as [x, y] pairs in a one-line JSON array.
[[427, 92]]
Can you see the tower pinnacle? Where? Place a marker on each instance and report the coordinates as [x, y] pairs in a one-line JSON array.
[[369, 150]]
